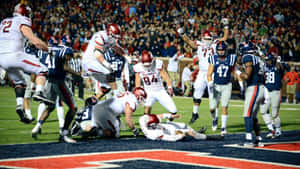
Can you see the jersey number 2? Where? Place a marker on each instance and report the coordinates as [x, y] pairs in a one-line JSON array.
[[6, 26]]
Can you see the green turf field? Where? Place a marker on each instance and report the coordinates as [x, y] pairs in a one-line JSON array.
[[12, 131]]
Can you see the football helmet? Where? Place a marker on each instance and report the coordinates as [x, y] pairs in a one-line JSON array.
[[153, 119], [22, 10], [91, 101], [247, 48], [113, 31], [140, 93], [207, 37], [146, 59], [221, 48]]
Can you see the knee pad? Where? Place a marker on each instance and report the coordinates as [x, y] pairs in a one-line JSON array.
[[20, 90], [196, 100]]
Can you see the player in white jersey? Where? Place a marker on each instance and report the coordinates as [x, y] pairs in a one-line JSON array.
[[104, 115], [205, 48], [151, 72], [154, 129], [94, 62], [13, 33]]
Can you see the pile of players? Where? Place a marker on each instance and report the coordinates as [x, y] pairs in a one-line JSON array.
[[108, 64]]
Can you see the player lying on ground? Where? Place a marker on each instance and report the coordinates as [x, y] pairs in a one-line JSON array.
[[154, 129], [103, 119]]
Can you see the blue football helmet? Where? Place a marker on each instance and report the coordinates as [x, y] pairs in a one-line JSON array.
[[247, 48], [270, 56], [222, 46]]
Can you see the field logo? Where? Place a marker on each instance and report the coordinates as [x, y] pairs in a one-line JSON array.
[[100, 160]]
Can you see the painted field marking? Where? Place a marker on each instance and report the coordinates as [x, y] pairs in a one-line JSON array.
[[99, 160]]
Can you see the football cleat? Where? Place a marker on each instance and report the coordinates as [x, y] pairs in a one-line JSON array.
[[223, 131], [270, 134], [23, 118], [36, 130], [39, 96], [202, 130], [214, 124], [66, 139], [194, 118], [278, 133]]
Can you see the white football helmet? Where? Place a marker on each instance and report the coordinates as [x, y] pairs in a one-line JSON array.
[[207, 37]]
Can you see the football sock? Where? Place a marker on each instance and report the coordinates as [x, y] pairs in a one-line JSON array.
[[41, 109], [28, 113], [60, 116], [224, 121], [195, 109]]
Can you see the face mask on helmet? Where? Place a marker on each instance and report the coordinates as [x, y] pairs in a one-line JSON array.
[[221, 49], [207, 38], [146, 59]]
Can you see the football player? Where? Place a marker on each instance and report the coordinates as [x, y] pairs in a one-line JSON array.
[[273, 73], [58, 68], [205, 48], [151, 72], [94, 62], [253, 74], [154, 129], [105, 114], [219, 83], [13, 32]]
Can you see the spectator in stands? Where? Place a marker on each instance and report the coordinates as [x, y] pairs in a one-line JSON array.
[[291, 78], [186, 79], [173, 67]]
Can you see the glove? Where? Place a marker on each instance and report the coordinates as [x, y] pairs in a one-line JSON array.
[[238, 72], [180, 31], [278, 59], [135, 132], [118, 50], [170, 91], [210, 86], [225, 22], [129, 60]]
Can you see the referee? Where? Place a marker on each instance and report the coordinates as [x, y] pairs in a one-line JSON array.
[[75, 64]]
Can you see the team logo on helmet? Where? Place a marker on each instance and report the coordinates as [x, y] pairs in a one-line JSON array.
[[153, 119]]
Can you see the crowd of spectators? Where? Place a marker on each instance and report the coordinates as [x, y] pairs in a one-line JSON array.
[[149, 24]]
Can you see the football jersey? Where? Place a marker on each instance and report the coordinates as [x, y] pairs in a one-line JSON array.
[[257, 76], [203, 53], [273, 78], [54, 63], [99, 41], [119, 102], [222, 68], [11, 37], [116, 61], [151, 77], [85, 114]]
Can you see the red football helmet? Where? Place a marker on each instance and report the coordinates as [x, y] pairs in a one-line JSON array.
[[114, 31], [153, 119], [140, 93], [22, 10], [207, 37], [146, 58]]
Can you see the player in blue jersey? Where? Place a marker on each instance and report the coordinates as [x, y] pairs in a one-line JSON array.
[[274, 74], [219, 83], [58, 67], [118, 64], [254, 76]]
